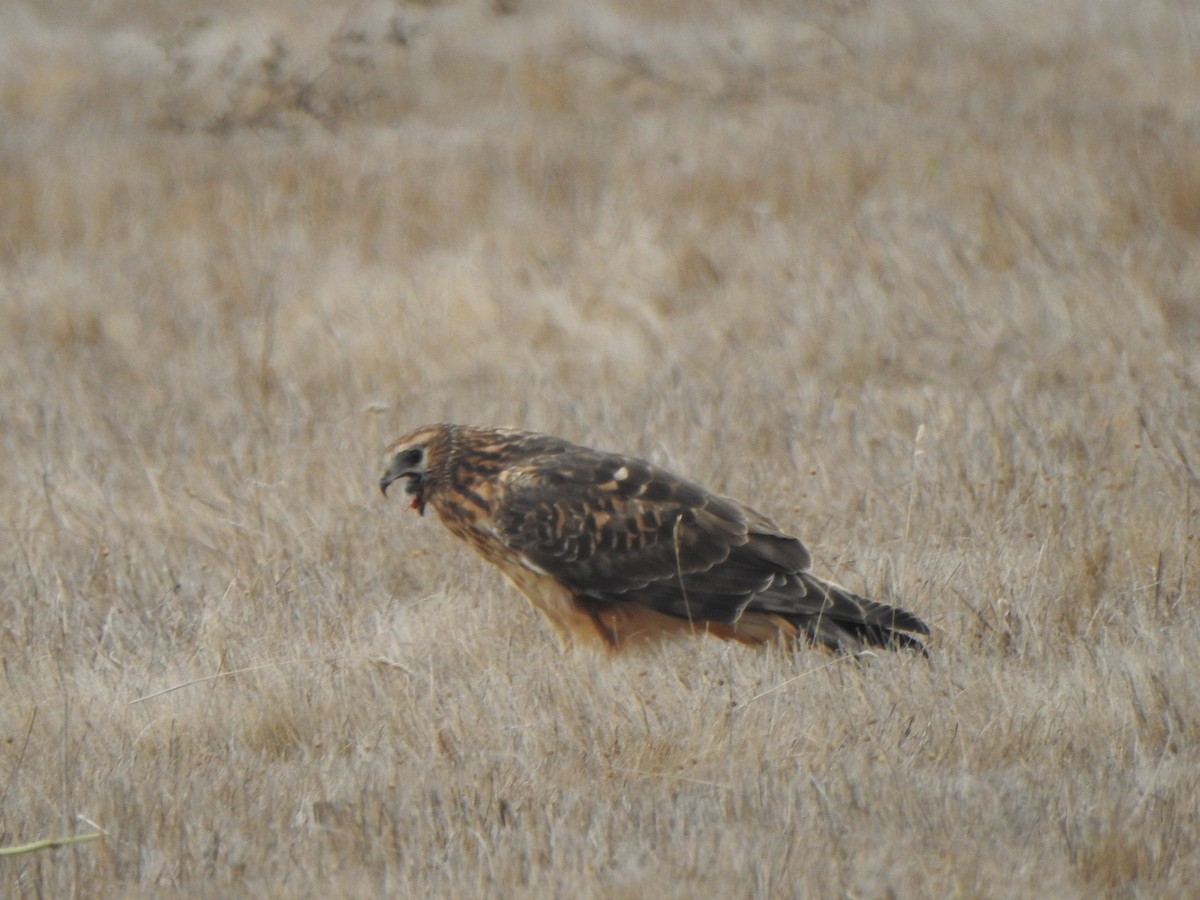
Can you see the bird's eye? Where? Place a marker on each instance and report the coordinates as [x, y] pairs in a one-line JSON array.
[[412, 457]]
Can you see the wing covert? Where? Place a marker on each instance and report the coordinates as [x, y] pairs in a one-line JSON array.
[[616, 528]]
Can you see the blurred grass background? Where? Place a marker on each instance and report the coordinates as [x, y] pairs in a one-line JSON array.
[[920, 282]]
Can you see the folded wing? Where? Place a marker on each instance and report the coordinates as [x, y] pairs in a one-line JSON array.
[[615, 529]]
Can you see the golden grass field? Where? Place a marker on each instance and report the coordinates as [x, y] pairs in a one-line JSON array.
[[919, 280]]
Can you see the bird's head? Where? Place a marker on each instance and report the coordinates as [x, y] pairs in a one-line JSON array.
[[417, 457]]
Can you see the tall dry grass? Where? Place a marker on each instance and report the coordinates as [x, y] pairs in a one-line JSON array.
[[919, 282]]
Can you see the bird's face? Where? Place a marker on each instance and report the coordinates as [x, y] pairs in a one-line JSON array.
[[411, 457]]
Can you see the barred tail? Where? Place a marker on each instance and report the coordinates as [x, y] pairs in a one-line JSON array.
[[846, 621]]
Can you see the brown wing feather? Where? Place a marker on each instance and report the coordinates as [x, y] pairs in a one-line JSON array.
[[616, 529], [601, 539]]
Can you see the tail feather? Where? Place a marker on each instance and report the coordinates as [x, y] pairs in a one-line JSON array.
[[841, 620]]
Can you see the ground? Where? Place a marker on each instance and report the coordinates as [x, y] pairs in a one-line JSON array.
[[919, 281]]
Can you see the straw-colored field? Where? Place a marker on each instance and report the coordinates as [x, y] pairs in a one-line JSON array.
[[919, 280]]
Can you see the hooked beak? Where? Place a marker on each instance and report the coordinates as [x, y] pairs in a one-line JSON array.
[[386, 481], [415, 487]]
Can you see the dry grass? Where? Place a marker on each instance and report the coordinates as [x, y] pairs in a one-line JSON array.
[[922, 282]]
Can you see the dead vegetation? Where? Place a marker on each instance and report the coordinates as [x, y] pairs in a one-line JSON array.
[[920, 283]]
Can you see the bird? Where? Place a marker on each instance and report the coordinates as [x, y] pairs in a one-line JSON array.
[[614, 550]]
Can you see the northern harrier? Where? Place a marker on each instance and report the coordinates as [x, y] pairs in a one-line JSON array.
[[612, 548]]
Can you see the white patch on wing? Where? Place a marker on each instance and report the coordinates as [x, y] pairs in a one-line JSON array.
[[532, 567], [621, 474]]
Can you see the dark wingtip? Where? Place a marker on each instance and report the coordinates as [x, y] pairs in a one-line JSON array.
[[897, 640], [903, 619]]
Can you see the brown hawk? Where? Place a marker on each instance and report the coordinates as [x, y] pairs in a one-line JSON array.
[[612, 548]]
